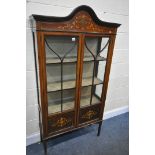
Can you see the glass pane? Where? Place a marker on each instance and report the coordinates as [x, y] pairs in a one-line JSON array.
[[96, 47], [97, 93], [90, 45], [61, 47], [87, 71], [69, 74], [68, 99], [85, 96], [94, 61], [53, 73], [54, 100], [61, 59], [103, 47]]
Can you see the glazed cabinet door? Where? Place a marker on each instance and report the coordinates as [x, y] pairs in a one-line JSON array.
[[95, 49], [61, 57]]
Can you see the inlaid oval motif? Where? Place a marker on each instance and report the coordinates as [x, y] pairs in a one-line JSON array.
[[89, 114], [61, 122]]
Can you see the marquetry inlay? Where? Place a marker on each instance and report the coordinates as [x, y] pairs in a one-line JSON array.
[[89, 114], [61, 122], [82, 21]]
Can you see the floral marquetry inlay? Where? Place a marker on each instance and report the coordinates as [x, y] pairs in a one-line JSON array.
[[89, 114], [61, 122], [82, 21]]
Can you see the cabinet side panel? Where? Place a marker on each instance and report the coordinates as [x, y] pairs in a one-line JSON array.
[[42, 77], [107, 73]]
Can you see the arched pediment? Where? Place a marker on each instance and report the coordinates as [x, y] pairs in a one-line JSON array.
[[82, 19]]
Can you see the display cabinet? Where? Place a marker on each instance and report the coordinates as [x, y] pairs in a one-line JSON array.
[[73, 56]]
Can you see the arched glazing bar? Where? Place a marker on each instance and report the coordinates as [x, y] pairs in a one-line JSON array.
[[95, 60], [95, 57], [61, 62]]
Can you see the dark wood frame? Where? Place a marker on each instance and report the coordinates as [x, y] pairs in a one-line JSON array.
[[81, 22]]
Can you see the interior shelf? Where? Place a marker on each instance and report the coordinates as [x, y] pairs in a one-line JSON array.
[[71, 84], [71, 59], [85, 101], [57, 60]]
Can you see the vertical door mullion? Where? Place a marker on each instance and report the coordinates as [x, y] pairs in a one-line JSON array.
[[79, 73], [61, 85], [92, 81]]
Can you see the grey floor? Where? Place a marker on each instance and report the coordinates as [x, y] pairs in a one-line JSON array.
[[113, 140]]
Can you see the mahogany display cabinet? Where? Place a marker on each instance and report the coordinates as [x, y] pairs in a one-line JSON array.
[[73, 56]]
